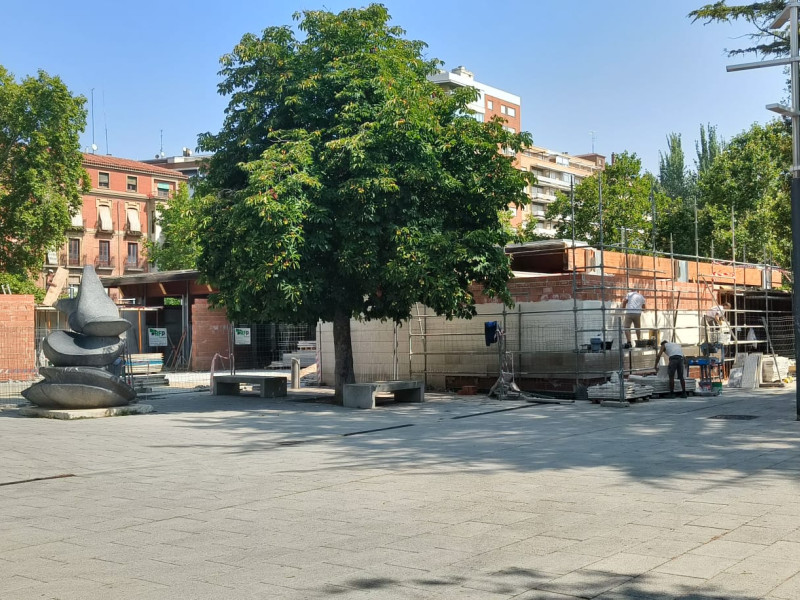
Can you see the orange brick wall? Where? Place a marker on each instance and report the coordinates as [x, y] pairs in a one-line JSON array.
[[660, 294], [643, 266], [210, 335], [17, 343]]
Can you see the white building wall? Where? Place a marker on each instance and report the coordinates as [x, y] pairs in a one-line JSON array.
[[540, 335]]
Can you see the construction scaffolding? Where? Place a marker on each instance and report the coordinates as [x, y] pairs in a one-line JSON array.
[[571, 337]]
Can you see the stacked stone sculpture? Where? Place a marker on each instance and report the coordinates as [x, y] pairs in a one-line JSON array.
[[78, 378]]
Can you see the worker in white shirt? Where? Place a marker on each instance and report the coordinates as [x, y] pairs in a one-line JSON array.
[[633, 305], [675, 365], [714, 317]]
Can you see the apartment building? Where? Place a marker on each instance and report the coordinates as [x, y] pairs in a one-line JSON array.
[[117, 216], [187, 163], [555, 171], [491, 101]]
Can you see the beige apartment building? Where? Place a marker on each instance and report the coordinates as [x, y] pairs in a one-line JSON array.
[[555, 171]]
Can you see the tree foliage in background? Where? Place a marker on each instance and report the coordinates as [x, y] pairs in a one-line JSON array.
[[178, 219], [751, 177], [673, 175], [708, 147], [626, 203], [764, 42], [41, 172], [344, 184], [21, 284]]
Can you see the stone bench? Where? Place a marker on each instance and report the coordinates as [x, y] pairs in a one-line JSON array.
[[362, 395], [271, 386]]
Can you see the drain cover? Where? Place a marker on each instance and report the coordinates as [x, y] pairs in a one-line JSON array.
[[734, 417]]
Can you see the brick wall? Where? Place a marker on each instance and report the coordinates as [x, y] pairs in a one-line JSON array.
[[17, 343], [210, 334]]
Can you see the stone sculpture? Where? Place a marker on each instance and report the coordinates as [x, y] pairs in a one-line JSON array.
[[78, 378]]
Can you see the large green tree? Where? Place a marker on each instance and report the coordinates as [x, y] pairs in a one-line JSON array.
[[178, 219], [673, 175], [708, 147], [41, 172], [749, 180], [344, 184], [626, 198]]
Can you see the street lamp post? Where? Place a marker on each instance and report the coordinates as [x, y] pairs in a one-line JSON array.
[[790, 14]]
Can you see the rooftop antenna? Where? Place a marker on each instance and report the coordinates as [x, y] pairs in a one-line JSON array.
[[161, 151], [592, 133], [105, 122], [94, 146]]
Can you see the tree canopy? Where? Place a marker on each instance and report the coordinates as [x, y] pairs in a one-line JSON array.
[[627, 203], [764, 41], [345, 184], [178, 219], [41, 172], [751, 178]]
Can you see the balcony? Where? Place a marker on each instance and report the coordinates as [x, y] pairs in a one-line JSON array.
[[77, 224], [132, 231], [135, 265], [72, 260], [104, 263]]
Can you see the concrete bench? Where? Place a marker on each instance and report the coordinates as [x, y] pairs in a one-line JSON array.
[[271, 386], [362, 395]]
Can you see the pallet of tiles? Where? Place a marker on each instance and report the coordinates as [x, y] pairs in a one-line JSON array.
[[660, 385], [611, 391], [770, 371]]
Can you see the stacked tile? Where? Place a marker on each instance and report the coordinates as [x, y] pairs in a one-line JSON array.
[[751, 371], [770, 371], [661, 385], [610, 391]]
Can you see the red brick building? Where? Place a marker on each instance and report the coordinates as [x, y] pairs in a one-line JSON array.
[[118, 215]]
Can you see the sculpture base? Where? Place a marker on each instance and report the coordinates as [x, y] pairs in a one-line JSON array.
[[89, 413]]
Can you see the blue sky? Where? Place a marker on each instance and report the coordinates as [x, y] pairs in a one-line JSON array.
[[631, 71]]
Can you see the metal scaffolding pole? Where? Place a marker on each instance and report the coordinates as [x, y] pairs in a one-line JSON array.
[[790, 15]]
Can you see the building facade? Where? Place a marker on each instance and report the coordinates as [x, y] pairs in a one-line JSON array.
[[555, 171], [491, 101], [118, 215]]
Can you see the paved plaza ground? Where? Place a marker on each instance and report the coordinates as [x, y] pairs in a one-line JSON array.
[[460, 497]]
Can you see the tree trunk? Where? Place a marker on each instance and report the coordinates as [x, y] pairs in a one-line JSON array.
[[343, 352]]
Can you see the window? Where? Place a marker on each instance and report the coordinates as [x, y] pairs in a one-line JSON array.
[[74, 255], [133, 255], [163, 189], [104, 216], [489, 104], [77, 219], [504, 109], [511, 112], [562, 160], [510, 129], [132, 184], [104, 253], [102, 180], [134, 225]]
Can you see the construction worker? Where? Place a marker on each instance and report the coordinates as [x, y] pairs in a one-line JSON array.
[[675, 365], [714, 318], [633, 305]]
